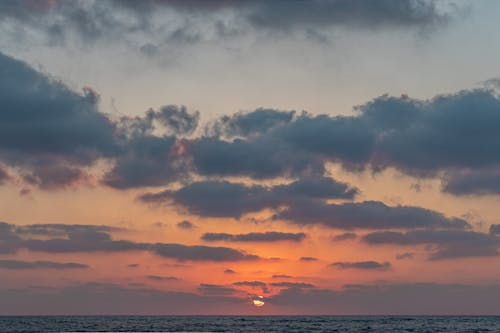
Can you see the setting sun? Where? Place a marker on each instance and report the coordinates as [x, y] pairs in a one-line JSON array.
[[259, 301]]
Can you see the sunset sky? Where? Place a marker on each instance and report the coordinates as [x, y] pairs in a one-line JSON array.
[[249, 157]]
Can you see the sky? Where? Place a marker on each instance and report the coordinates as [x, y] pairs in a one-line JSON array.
[[249, 157]]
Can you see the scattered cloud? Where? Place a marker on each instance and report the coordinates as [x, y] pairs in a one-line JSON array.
[[186, 225], [450, 243], [162, 278], [17, 264], [270, 236], [369, 265], [84, 238]]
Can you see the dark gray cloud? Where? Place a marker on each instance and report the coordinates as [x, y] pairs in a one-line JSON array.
[[405, 255], [247, 124], [112, 299], [148, 24], [472, 182], [369, 265], [495, 229], [367, 215], [449, 243], [270, 236], [225, 199], [133, 265], [308, 259], [250, 283], [261, 158], [392, 299], [360, 14], [48, 130], [282, 276], [83, 238], [253, 284], [418, 137], [229, 271], [186, 225], [345, 236], [215, 290], [162, 278], [292, 284], [51, 134], [18, 264], [381, 299], [200, 253]]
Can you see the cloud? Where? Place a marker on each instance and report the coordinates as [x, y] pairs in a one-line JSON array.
[[226, 199], [46, 129], [405, 255], [369, 265], [229, 271], [472, 182], [4, 175], [270, 236], [112, 299], [292, 284], [450, 243], [308, 259], [253, 284], [216, 290], [152, 26], [186, 225], [260, 158], [367, 215], [84, 238], [200, 253], [162, 278], [345, 236], [52, 135], [495, 229], [418, 137], [245, 124], [17, 264], [282, 276], [392, 299], [250, 283]]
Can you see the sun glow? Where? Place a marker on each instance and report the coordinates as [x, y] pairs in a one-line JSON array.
[[258, 301]]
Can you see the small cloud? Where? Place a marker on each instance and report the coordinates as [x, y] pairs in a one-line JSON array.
[[345, 236], [308, 259], [270, 236], [229, 271], [162, 278], [281, 276], [406, 255], [186, 225], [292, 284], [17, 264], [133, 265], [368, 265]]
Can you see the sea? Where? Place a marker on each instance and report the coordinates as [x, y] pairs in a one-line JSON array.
[[430, 324]]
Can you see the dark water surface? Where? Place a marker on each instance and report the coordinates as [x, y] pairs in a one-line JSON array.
[[19, 324]]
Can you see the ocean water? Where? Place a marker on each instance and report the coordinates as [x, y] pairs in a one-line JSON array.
[[18, 324]]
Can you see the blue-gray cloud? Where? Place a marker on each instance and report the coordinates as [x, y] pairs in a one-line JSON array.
[[19, 264], [270, 236], [367, 215], [125, 22], [225, 199], [90, 239], [450, 243], [368, 265]]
